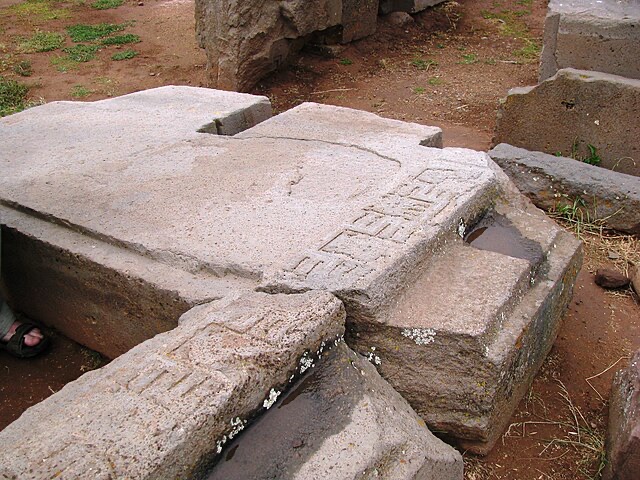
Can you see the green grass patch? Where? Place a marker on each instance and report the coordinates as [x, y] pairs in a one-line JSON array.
[[38, 10], [511, 24], [346, 61], [64, 64], [89, 33], [81, 53], [23, 68], [419, 90], [469, 59], [530, 51], [13, 96], [80, 91], [41, 42], [106, 4], [124, 55], [422, 64], [434, 81], [121, 39]]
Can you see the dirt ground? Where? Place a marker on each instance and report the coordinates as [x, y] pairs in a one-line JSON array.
[[448, 67]]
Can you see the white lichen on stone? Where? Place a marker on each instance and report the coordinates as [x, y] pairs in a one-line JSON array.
[[237, 425], [422, 336], [373, 358], [306, 362], [461, 228], [271, 399]]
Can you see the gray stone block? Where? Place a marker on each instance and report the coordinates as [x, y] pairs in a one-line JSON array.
[[551, 182], [623, 436], [574, 109], [246, 40], [600, 35], [343, 421], [171, 403]]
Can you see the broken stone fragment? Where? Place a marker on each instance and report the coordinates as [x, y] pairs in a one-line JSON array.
[[611, 279], [554, 183], [173, 401], [340, 421], [623, 436]]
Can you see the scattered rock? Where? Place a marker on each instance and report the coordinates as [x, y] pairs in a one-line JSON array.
[[400, 19], [623, 436], [611, 279], [613, 255]]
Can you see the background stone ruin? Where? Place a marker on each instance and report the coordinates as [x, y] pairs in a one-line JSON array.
[[585, 108], [247, 39]]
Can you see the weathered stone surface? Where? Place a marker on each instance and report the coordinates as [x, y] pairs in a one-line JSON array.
[[245, 40], [574, 109], [343, 421], [550, 182], [321, 198], [166, 406], [91, 288], [463, 342], [347, 127], [623, 436], [601, 35], [612, 279], [410, 6]]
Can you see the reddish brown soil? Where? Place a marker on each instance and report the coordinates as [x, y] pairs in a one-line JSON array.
[[449, 68]]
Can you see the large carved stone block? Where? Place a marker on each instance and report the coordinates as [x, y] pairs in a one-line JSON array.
[[456, 318]]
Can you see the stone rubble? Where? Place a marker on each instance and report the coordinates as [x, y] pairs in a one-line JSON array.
[[244, 41]]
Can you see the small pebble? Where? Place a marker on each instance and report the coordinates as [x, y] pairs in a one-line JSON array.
[[613, 255], [611, 279]]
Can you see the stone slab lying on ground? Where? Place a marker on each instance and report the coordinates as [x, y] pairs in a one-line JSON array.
[[343, 421], [573, 110], [551, 182], [623, 436], [246, 40], [164, 408], [409, 6], [600, 35], [326, 199]]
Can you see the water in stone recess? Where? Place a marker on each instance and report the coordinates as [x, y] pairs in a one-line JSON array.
[[496, 233]]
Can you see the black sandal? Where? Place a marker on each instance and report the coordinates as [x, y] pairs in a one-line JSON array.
[[16, 346]]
